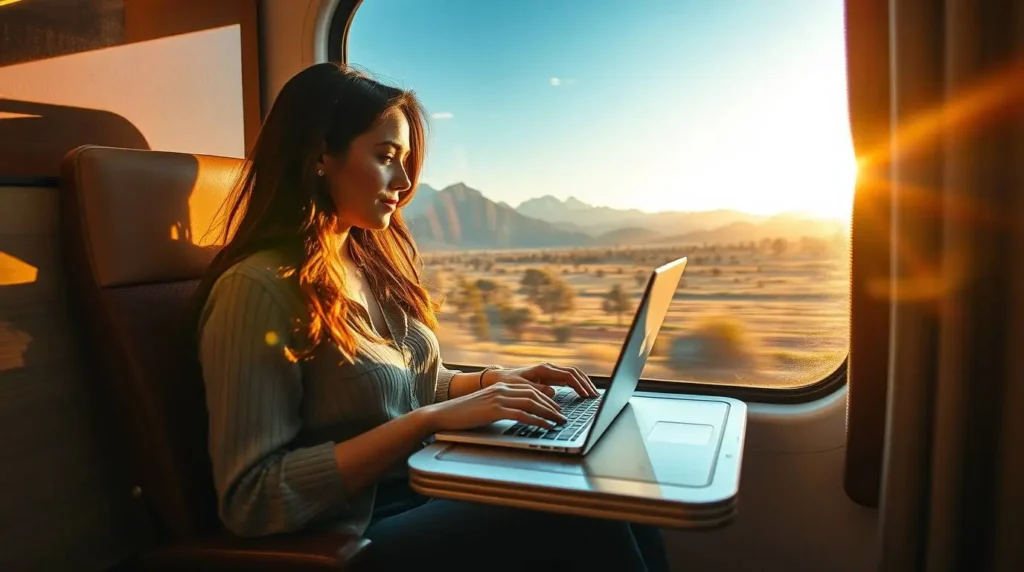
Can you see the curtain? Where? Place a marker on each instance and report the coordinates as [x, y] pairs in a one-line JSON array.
[[952, 476]]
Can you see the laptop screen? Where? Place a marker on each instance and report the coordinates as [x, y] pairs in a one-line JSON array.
[[639, 342]]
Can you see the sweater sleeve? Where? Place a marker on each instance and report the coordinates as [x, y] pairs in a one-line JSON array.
[[253, 395], [444, 382]]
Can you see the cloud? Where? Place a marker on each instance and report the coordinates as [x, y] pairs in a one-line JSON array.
[[555, 82], [443, 115]]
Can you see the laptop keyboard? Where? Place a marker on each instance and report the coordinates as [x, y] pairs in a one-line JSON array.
[[579, 412]]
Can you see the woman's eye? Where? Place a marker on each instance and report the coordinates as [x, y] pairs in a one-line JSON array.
[[387, 159]]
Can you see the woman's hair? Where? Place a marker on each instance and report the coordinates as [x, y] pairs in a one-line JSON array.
[[280, 202]]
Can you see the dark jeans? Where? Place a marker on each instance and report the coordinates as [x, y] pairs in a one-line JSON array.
[[410, 532]]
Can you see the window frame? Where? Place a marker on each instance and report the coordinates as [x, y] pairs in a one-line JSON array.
[[337, 51]]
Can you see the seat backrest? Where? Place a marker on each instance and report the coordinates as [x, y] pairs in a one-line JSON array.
[[139, 229]]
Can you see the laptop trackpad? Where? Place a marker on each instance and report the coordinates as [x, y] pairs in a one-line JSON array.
[[682, 433], [666, 441]]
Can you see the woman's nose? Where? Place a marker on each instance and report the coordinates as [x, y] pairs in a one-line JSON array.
[[400, 180]]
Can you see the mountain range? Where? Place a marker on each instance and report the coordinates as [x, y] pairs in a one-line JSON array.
[[461, 217]]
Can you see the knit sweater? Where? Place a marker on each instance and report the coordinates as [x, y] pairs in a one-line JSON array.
[[273, 422]]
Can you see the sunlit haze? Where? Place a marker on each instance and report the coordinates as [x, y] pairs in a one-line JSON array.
[[656, 105]]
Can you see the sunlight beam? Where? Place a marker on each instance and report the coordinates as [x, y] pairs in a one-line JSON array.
[[931, 280], [14, 271], [984, 101]]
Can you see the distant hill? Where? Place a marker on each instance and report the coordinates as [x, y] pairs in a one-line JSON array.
[[601, 220], [421, 199], [551, 209], [462, 217], [783, 226], [631, 235]]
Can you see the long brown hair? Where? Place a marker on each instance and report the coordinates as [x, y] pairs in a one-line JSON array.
[[280, 202]]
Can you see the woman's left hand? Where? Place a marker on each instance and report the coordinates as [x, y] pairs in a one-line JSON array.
[[543, 377]]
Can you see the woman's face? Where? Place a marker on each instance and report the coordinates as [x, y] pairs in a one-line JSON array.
[[365, 183]]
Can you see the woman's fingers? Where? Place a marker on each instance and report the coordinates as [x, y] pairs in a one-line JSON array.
[[526, 388], [585, 381], [545, 389], [571, 377], [524, 417], [533, 407]]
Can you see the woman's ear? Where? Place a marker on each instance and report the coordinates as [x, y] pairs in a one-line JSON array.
[[324, 161], [329, 163]]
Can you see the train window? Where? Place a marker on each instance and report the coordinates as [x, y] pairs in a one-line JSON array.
[[576, 146]]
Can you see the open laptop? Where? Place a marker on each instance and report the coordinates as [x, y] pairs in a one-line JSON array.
[[589, 417]]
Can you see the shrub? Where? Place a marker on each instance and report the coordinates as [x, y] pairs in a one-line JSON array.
[[717, 343], [515, 320]]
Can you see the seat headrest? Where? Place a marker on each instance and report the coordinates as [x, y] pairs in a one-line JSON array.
[[147, 216]]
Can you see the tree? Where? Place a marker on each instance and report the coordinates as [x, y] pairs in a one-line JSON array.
[[549, 292], [779, 246], [556, 299], [479, 324], [470, 301], [640, 277], [533, 283], [617, 302], [467, 296], [516, 320], [493, 292]]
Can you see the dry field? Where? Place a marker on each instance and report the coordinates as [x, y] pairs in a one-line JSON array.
[[742, 315]]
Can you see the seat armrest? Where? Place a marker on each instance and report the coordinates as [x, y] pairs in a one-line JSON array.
[[320, 551]]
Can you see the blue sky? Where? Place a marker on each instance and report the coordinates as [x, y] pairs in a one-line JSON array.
[[649, 104]]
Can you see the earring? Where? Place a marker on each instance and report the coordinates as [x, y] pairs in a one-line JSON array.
[[320, 172]]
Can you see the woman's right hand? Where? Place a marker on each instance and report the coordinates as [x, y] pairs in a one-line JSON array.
[[519, 401]]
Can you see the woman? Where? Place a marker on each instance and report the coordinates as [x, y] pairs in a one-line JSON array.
[[321, 369]]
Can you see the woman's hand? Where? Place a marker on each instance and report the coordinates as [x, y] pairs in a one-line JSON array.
[[543, 377], [519, 401]]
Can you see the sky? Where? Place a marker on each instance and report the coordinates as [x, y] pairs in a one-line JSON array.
[[651, 104]]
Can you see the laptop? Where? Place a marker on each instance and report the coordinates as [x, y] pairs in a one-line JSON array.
[[590, 417]]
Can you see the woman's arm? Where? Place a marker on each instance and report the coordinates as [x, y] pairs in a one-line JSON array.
[[265, 485], [363, 459], [466, 383]]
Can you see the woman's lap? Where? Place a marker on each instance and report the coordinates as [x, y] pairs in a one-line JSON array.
[[455, 535]]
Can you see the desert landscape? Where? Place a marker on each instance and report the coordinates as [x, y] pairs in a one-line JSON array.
[[764, 300]]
